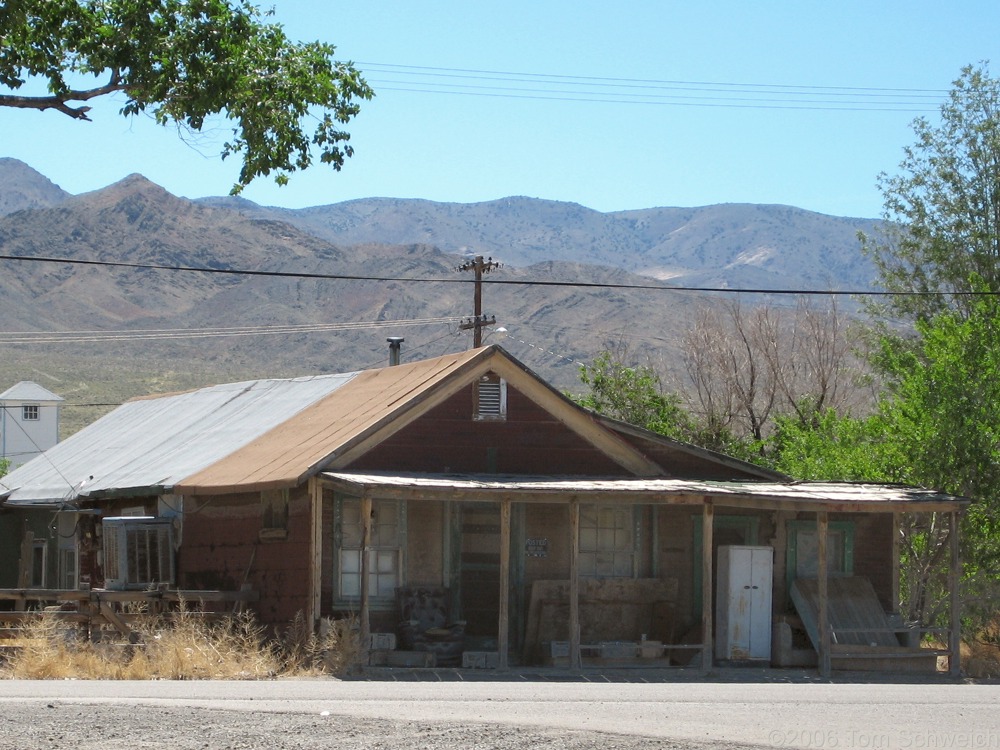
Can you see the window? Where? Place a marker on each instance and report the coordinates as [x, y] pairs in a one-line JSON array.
[[491, 397], [274, 514], [39, 555], [385, 549], [607, 541], [29, 413], [66, 528], [802, 558], [67, 568]]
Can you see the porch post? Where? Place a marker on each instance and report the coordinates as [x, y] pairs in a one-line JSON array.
[[954, 578], [895, 561], [822, 529], [315, 551], [575, 660], [366, 538], [503, 641], [707, 626]]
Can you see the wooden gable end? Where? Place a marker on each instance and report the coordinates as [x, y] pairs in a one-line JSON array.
[[450, 438]]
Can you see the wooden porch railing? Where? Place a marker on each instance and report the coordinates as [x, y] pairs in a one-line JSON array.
[[96, 608]]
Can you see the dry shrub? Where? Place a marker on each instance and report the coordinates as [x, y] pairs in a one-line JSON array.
[[335, 649], [980, 659], [181, 646]]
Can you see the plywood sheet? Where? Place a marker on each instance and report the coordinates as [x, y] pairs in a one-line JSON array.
[[611, 609]]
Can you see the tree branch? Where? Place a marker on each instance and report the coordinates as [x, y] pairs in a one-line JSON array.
[[59, 103]]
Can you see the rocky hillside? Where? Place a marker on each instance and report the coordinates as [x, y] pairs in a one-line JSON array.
[[314, 306], [733, 245]]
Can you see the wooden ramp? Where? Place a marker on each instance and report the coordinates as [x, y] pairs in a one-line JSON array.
[[861, 635]]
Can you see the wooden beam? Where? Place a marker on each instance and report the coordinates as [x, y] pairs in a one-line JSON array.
[[315, 551], [894, 594], [954, 580], [707, 594], [503, 641], [822, 573], [117, 622], [366, 540], [575, 660]]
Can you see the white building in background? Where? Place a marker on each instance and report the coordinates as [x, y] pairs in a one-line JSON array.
[[29, 422]]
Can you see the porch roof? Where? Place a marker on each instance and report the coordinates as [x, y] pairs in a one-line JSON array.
[[849, 497]]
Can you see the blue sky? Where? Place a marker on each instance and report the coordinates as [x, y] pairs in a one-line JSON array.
[[570, 101]]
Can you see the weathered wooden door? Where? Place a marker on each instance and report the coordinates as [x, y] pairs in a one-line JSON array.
[[479, 568]]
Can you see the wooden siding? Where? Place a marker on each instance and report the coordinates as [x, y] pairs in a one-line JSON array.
[[222, 548], [448, 439], [873, 552], [690, 465], [425, 549]]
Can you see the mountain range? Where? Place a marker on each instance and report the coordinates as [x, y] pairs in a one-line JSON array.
[[293, 319]]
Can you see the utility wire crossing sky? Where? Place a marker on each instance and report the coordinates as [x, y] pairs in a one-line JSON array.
[[642, 104]]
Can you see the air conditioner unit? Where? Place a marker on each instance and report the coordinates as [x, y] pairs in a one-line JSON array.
[[138, 552]]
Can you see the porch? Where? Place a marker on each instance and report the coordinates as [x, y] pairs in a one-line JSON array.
[[657, 503]]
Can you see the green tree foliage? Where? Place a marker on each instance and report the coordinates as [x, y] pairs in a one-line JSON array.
[[4, 466], [942, 247], [833, 447], [633, 394], [943, 206], [937, 425], [184, 61]]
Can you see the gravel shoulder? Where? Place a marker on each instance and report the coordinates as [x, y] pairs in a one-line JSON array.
[[35, 725]]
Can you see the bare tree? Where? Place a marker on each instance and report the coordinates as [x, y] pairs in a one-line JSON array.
[[746, 364]]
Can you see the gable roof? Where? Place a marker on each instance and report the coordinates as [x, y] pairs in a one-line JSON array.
[[28, 391], [701, 462], [262, 434]]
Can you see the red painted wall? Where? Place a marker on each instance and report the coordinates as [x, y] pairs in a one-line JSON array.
[[448, 439], [223, 548]]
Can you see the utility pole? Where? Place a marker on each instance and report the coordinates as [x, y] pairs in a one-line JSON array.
[[477, 322]]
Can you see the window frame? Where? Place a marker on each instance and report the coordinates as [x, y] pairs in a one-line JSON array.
[[632, 526], [377, 600], [31, 413], [39, 563], [847, 528], [274, 514]]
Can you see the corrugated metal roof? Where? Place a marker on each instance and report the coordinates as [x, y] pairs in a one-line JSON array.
[[156, 442], [28, 391], [845, 496]]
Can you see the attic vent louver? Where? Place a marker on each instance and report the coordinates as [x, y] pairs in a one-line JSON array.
[[491, 397]]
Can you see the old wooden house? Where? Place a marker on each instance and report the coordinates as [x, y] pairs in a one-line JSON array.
[[462, 499]]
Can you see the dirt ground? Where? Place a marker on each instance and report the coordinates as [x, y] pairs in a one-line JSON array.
[[37, 725]]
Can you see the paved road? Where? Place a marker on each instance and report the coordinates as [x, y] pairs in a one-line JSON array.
[[882, 716]]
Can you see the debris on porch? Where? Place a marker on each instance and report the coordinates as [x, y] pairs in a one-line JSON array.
[[862, 634]]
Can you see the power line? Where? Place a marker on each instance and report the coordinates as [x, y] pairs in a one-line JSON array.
[[511, 282], [473, 82], [44, 337]]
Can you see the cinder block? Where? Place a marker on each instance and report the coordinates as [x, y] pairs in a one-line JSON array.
[[480, 660], [381, 642], [616, 650], [413, 659], [558, 648]]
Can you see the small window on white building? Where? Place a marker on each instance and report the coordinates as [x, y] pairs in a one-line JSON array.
[[29, 413], [490, 397]]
